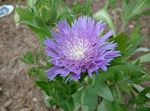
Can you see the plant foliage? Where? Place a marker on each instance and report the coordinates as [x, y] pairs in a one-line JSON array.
[[113, 90]]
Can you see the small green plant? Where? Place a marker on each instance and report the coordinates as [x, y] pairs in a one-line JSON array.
[[83, 67]]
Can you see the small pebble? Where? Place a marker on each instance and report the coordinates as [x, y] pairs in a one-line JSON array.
[[34, 99], [131, 26], [26, 109]]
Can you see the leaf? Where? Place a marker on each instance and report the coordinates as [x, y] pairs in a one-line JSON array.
[[31, 3], [135, 40], [16, 18], [90, 98], [103, 107], [103, 90], [38, 73], [79, 96], [45, 86], [121, 40], [134, 72], [36, 23], [86, 97], [142, 49], [24, 13], [143, 109], [112, 3], [104, 16], [76, 8], [28, 58], [141, 99], [82, 9], [110, 106], [145, 58], [87, 7], [47, 100], [131, 9], [125, 87], [68, 105], [140, 89]]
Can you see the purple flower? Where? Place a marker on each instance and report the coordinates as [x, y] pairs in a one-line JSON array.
[[79, 48]]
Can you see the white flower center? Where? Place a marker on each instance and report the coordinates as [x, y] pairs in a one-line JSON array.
[[77, 49], [77, 52]]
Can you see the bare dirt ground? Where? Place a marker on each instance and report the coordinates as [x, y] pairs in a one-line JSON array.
[[17, 92], [17, 89]]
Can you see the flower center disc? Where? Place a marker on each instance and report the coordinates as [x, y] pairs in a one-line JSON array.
[[77, 52]]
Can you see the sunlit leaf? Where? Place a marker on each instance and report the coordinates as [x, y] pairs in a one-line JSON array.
[[142, 49], [104, 16], [145, 58], [141, 99], [140, 89], [31, 3]]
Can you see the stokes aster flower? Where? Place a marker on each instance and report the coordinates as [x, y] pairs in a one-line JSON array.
[[79, 48]]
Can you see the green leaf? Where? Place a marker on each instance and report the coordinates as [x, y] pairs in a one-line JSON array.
[[103, 15], [87, 7], [131, 9], [134, 72], [38, 73], [135, 40], [121, 40], [90, 98], [142, 49], [105, 106], [82, 9], [24, 14], [45, 86], [141, 99], [125, 87], [31, 3], [36, 23], [86, 97], [68, 105], [103, 90], [112, 3], [110, 106], [140, 89], [145, 58], [28, 58], [79, 96], [143, 109]]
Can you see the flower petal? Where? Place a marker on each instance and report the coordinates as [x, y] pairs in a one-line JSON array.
[[105, 37], [51, 72], [91, 70]]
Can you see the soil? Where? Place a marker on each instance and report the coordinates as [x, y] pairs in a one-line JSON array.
[[17, 89]]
